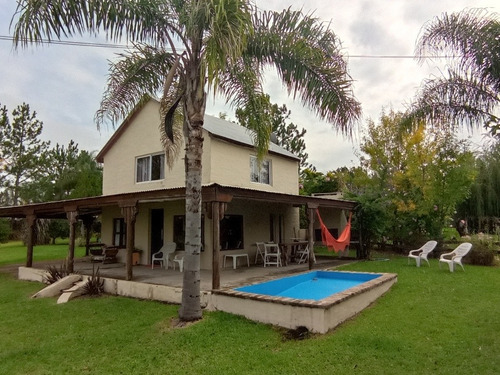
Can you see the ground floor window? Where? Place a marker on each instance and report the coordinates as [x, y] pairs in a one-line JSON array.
[[119, 232], [231, 232], [180, 231]]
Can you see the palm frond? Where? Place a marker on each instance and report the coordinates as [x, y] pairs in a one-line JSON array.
[[308, 58], [138, 72], [242, 86], [454, 100], [471, 40], [131, 20], [229, 25], [172, 118]]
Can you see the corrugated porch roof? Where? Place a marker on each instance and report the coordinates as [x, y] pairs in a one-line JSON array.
[[210, 193]]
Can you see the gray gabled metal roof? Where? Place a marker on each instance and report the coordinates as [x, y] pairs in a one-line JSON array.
[[237, 133]]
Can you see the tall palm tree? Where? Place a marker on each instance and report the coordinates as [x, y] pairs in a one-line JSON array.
[[184, 48], [470, 92]]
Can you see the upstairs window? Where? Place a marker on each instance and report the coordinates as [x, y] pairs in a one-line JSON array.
[[260, 173], [150, 168]]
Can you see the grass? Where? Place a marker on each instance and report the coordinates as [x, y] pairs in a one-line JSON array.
[[431, 321], [15, 252]]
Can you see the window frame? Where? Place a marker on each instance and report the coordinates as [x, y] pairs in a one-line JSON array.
[[120, 230], [264, 175], [150, 174]]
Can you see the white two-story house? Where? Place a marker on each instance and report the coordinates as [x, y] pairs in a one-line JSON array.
[[134, 161]]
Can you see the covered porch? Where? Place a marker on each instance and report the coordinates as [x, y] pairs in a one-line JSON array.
[[217, 200]]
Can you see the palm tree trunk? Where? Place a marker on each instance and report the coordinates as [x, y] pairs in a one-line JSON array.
[[191, 307], [194, 112]]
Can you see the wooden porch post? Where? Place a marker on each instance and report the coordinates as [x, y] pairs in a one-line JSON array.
[[310, 211], [129, 212], [87, 222], [31, 221], [72, 215], [217, 213]]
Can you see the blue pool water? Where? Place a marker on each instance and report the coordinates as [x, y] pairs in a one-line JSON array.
[[314, 285]]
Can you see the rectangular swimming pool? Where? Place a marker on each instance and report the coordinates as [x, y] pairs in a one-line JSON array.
[[317, 300], [314, 285]]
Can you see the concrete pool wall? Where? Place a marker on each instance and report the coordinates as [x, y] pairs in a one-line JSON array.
[[317, 316]]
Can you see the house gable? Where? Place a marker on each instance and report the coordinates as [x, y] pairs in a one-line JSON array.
[[227, 151]]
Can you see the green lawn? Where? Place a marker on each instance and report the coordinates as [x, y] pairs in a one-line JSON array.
[[15, 252], [430, 322]]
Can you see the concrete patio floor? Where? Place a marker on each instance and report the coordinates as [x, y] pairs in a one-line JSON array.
[[229, 277]]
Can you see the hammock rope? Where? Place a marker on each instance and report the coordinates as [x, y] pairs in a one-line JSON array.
[[331, 242]]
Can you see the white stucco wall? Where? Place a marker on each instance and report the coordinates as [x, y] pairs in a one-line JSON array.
[[224, 162], [230, 165]]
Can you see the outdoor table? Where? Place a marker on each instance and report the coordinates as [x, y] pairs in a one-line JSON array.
[[235, 258], [288, 250]]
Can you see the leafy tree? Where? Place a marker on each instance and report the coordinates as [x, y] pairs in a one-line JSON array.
[[88, 176], [481, 209], [5, 230], [416, 179], [470, 93], [313, 181], [69, 173], [58, 228], [184, 47], [22, 153]]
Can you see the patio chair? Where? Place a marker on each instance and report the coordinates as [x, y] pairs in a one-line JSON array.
[[272, 255], [260, 251], [163, 256], [422, 253], [302, 255], [179, 259], [455, 257]]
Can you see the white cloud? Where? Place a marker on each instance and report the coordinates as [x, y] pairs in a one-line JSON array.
[[65, 84]]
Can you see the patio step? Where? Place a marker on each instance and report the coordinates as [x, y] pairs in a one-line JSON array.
[[56, 288], [76, 290]]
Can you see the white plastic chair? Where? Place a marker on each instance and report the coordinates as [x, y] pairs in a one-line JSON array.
[[422, 253], [272, 255], [455, 257], [179, 259], [163, 256], [260, 251]]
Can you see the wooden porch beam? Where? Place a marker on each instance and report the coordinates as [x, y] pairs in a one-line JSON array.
[[72, 216], [217, 210], [310, 230], [31, 221], [88, 220], [129, 211]]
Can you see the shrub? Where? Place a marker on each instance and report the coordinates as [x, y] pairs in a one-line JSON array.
[[55, 273], [482, 252], [94, 285]]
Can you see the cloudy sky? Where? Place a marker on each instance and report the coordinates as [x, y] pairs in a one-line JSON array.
[[64, 84]]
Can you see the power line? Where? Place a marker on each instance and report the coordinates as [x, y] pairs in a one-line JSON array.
[[125, 46], [73, 43]]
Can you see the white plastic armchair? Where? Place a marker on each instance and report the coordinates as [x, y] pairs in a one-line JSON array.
[[422, 253], [455, 257], [163, 256], [179, 259]]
